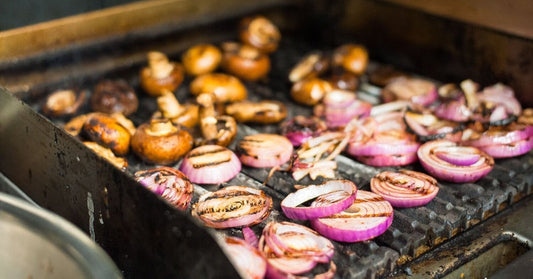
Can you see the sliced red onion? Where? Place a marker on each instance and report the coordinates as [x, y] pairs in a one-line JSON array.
[[495, 135], [294, 240], [301, 128], [460, 155], [448, 171], [210, 164], [344, 190], [454, 110], [339, 99], [233, 206], [429, 127], [247, 259], [382, 147], [405, 188], [264, 150], [502, 95], [418, 91], [509, 150], [276, 267], [169, 183], [322, 168], [369, 216], [338, 117], [250, 237], [388, 160]]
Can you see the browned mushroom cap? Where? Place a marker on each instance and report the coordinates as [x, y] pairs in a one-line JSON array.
[[260, 33], [264, 112], [310, 66], [226, 127], [63, 102], [384, 75], [526, 117], [111, 96], [245, 61], [107, 154], [225, 87], [353, 58], [310, 91], [107, 131], [201, 59], [344, 80], [160, 74], [161, 142]]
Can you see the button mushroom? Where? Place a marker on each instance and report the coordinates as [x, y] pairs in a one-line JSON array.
[[310, 91], [63, 102], [225, 87], [260, 33], [107, 131], [161, 142], [310, 66], [201, 59], [264, 112], [344, 80], [160, 74], [169, 107], [219, 130], [352, 57], [107, 154], [244, 61], [111, 96]]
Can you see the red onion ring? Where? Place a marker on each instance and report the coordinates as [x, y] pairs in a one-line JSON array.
[[344, 191], [264, 150], [301, 128], [388, 160], [416, 90], [429, 127], [460, 156], [210, 164], [495, 135], [509, 150], [233, 206], [250, 237], [381, 147], [247, 259], [369, 216], [405, 188], [169, 183], [448, 171]]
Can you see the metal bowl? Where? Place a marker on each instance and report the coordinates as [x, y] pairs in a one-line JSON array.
[[35, 243]]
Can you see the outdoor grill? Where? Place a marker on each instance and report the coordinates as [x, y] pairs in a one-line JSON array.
[[466, 230]]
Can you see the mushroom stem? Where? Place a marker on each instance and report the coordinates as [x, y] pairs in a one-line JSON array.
[[159, 64], [169, 105], [161, 127], [208, 121]]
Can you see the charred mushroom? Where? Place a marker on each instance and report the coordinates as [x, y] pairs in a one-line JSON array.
[[160, 74], [107, 131], [201, 59], [344, 80], [169, 107], [310, 91], [353, 58], [111, 96], [264, 112], [312, 65], [225, 87], [107, 154], [219, 130], [260, 33], [244, 61], [63, 102], [161, 142]]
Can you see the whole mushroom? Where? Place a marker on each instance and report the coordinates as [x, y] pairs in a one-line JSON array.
[[201, 59], [108, 132], [352, 57], [226, 88], [160, 74], [218, 130], [161, 142], [244, 61], [63, 102], [260, 32], [310, 91], [170, 107], [111, 96]]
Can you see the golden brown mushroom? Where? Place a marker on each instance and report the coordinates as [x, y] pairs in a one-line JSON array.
[[219, 130], [310, 91], [161, 142], [107, 154], [352, 57], [225, 87], [63, 102], [107, 131], [169, 107], [260, 33], [201, 59], [160, 74], [244, 61], [264, 112], [309, 66]]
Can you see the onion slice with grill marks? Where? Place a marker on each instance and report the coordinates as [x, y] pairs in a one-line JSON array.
[[233, 206], [169, 183], [445, 167], [247, 259], [369, 216], [264, 150], [388, 160], [210, 164], [342, 193], [404, 188], [292, 249]]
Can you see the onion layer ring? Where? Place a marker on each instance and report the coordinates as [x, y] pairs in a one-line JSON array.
[[405, 188]]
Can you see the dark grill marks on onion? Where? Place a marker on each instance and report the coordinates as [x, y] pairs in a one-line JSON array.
[[404, 188], [264, 150], [210, 164], [233, 206]]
